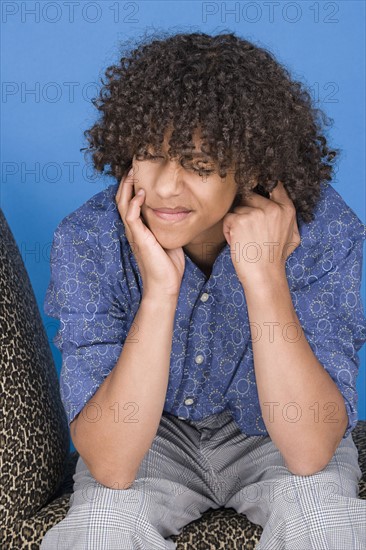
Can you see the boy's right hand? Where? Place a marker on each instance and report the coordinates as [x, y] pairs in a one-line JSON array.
[[161, 270]]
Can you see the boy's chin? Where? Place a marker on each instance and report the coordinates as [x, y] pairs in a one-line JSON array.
[[168, 240], [170, 243]]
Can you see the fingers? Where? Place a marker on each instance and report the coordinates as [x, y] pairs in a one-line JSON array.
[[134, 207], [280, 195], [125, 194], [129, 206], [118, 194]]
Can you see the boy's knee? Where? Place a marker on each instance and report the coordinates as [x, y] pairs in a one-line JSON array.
[[327, 488], [92, 494]]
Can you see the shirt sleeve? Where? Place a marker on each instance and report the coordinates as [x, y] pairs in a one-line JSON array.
[[92, 314], [331, 313]]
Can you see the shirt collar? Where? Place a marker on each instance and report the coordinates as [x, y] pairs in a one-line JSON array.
[[216, 267]]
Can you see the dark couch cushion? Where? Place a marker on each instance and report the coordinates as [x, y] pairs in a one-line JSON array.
[[34, 435]]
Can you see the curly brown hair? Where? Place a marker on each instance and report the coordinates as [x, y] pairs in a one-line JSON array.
[[251, 114]]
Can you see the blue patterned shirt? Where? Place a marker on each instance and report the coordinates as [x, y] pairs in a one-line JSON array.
[[95, 291]]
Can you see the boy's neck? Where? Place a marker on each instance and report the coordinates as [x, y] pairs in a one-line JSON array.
[[204, 256]]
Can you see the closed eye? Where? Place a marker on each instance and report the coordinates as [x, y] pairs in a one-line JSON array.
[[203, 170], [148, 156]]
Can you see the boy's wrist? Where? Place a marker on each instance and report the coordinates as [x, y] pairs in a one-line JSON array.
[[160, 300]]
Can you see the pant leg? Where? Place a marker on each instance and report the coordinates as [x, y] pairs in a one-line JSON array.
[[318, 512], [171, 489]]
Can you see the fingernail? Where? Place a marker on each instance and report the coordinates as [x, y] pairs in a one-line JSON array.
[[140, 192]]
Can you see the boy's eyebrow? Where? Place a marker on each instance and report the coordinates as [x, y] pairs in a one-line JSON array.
[[198, 154], [194, 154]]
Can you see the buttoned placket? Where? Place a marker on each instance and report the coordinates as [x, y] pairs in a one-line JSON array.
[[198, 359]]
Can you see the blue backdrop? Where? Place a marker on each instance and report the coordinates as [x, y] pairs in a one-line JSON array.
[[54, 54]]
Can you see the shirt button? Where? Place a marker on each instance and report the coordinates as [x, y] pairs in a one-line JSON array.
[[189, 401], [199, 359], [204, 297]]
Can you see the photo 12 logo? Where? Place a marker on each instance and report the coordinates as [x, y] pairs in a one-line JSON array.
[[70, 12], [270, 12]]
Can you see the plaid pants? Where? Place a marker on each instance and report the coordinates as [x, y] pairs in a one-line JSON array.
[[193, 466]]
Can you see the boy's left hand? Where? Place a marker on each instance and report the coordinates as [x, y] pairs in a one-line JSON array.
[[262, 233]]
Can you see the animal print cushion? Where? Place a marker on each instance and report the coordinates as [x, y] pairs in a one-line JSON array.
[[36, 468], [34, 433]]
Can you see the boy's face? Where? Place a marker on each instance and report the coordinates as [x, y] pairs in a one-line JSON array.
[[167, 184]]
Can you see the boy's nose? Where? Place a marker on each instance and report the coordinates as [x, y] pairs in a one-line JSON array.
[[169, 180]]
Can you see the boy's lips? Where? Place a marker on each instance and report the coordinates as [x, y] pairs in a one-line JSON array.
[[172, 215], [172, 210]]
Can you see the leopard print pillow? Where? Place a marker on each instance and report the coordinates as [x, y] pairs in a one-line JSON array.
[[34, 433]]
